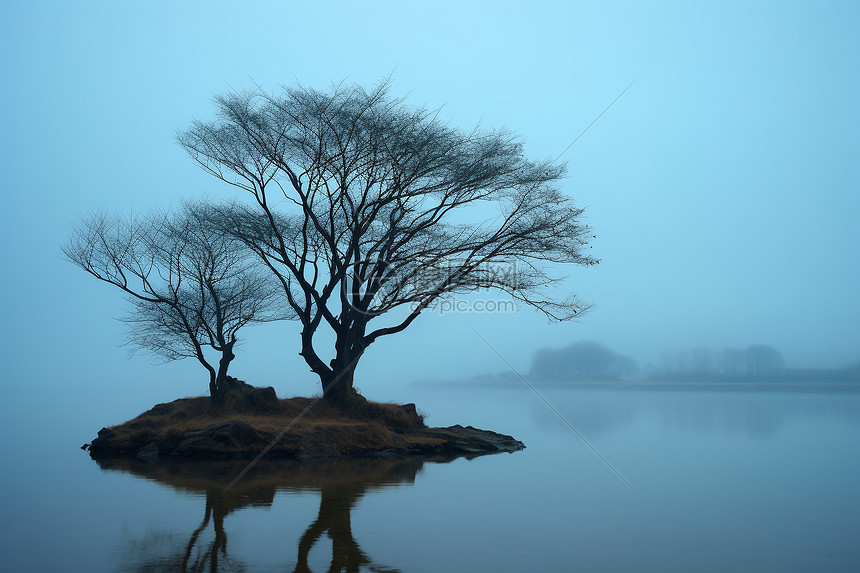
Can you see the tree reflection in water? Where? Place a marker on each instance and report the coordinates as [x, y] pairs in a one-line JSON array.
[[334, 518], [341, 484]]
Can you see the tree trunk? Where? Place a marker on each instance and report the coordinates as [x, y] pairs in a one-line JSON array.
[[336, 377], [220, 386], [213, 384], [337, 387]]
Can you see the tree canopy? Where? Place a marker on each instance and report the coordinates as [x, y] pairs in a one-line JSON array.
[[365, 208]]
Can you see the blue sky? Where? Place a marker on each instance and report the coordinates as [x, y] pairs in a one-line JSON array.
[[722, 186]]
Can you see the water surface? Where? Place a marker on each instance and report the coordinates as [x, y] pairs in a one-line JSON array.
[[724, 480]]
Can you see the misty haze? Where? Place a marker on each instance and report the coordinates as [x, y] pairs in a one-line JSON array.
[[333, 286]]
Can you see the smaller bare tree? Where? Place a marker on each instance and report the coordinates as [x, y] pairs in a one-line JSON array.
[[192, 286]]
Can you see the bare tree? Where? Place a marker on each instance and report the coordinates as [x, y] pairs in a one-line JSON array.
[[192, 285], [364, 208]]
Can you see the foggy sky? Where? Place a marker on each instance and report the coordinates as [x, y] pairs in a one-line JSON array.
[[722, 186]]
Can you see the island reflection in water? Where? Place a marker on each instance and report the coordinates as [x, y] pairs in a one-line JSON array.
[[340, 483]]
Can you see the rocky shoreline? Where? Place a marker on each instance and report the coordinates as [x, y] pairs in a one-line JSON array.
[[193, 429]]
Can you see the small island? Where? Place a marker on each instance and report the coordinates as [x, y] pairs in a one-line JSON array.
[[252, 420], [358, 214]]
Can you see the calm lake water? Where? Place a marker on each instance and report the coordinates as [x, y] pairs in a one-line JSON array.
[[725, 481]]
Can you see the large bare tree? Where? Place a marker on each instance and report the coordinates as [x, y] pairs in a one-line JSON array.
[[191, 284], [365, 208]]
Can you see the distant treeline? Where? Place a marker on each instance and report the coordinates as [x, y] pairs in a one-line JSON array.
[[594, 362], [582, 361], [758, 363]]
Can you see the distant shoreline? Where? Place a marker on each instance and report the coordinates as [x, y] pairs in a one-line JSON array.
[[848, 387]]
